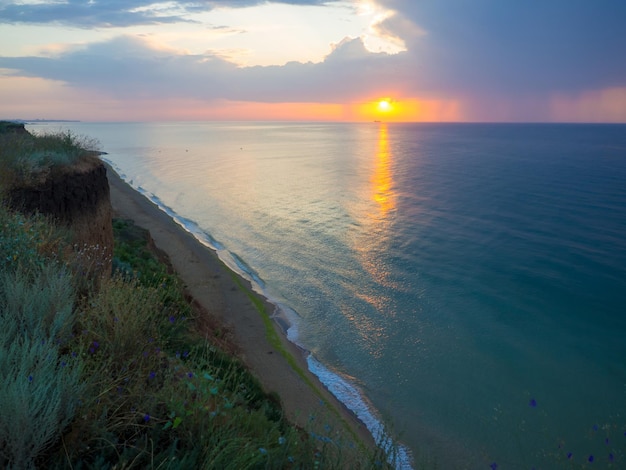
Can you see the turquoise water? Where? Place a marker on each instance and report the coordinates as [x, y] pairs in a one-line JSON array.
[[465, 284]]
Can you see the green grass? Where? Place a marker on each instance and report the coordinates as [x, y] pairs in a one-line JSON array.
[[27, 159]]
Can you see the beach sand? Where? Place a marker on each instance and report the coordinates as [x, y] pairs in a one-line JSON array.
[[228, 298]]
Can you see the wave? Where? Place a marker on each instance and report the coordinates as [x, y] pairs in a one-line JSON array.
[[348, 394]]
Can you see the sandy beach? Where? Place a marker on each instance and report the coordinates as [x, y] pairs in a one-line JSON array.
[[279, 364]]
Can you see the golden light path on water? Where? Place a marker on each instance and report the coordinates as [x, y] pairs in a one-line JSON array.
[[376, 217]]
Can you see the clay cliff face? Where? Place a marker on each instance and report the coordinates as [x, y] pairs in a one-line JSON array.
[[77, 197]]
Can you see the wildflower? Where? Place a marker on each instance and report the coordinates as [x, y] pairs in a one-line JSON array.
[[263, 450], [532, 403], [152, 375], [281, 440], [595, 427], [569, 456], [186, 353], [190, 375], [63, 363], [172, 319], [590, 459], [493, 466], [30, 378], [94, 347], [146, 417], [611, 457]]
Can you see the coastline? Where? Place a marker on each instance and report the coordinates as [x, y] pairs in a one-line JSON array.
[[279, 364]]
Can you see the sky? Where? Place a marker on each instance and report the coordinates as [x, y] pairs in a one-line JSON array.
[[348, 60]]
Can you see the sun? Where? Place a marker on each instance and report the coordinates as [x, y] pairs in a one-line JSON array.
[[384, 105]]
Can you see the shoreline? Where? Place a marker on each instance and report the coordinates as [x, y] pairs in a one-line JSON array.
[[261, 340]]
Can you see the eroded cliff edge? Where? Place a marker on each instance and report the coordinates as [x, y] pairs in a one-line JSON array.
[[77, 197]]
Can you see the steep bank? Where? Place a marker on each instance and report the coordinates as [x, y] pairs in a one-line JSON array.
[[77, 197]]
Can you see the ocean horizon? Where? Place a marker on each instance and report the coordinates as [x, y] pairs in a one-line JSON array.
[[460, 287]]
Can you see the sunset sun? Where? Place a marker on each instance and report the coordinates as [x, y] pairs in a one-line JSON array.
[[384, 105]]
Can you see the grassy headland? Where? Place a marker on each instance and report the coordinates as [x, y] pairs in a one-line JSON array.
[[118, 373]]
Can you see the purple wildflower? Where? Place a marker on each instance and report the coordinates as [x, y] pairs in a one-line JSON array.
[[146, 417], [190, 375], [590, 458], [30, 378], [152, 375], [569, 456], [172, 319], [493, 466], [532, 403]]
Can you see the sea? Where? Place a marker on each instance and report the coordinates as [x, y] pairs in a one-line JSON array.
[[460, 287]]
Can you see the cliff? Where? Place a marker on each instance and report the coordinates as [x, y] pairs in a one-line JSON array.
[[78, 198]]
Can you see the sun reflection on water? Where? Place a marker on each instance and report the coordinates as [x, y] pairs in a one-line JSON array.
[[382, 179]]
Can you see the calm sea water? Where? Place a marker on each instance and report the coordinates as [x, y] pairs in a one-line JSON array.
[[463, 284]]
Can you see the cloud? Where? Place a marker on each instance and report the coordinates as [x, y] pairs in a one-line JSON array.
[[397, 29], [120, 13], [131, 67], [518, 48]]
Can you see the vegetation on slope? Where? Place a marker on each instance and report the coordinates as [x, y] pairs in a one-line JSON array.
[[119, 375]]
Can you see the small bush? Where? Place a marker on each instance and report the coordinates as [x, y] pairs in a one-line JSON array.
[[28, 243], [40, 384]]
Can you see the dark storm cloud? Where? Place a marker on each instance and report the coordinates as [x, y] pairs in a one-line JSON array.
[[516, 47], [120, 13]]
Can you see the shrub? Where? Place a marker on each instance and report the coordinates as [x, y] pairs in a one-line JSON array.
[[40, 384], [27, 243]]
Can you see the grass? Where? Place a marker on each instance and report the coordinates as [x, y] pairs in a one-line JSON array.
[[121, 378], [27, 159]]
